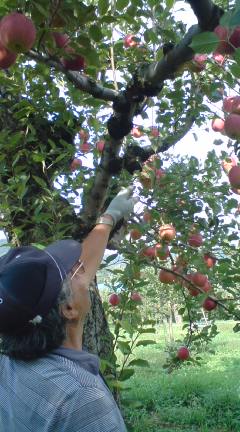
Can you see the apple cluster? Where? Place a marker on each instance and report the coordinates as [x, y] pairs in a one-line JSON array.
[[195, 282], [17, 35]]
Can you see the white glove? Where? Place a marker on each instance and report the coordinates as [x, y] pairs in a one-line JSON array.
[[122, 205]]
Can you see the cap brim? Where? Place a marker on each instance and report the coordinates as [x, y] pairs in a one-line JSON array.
[[66, 252]]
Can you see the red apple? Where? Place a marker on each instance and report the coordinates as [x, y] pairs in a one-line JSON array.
[[232, 104], [219, 58], [17, 33], [7, 58], [159, 173], [218, 125], [198, 63], [75, 164], [61, 39], [136, 297], [149, 252], [154, 132], [209, 304], [114, 299], [167, 232], [209, 260], [135, 234], [162, 251], [236, 191], [192, 290], [228, 163], [166, 277], [199, 279], [83, 135], [85, 147], [74, 62], [195, 240], [130, 41], [235, 37], [136, 132], [100, 145], [183, 353], [207, 287], [147, 217], [223, 34], [232, 126], [234, 176]]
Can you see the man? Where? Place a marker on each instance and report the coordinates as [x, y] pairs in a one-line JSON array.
[[47, 383]]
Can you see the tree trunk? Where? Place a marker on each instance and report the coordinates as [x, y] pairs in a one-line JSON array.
[[97, 337]]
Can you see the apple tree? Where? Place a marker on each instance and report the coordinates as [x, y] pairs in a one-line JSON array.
[[94, 95]]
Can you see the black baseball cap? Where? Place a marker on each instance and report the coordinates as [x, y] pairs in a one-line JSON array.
[[31, 280]]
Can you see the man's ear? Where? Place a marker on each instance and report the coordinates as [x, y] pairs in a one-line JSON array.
[[69, 311]]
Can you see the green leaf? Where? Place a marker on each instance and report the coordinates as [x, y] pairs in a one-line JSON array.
[[147, 330], [43, 11], [236, 328], [139, 362], [124, 347], [111, 258], [146, 342], [235, 70], [170, 3], [95, 33], [121, 4], [236, 55], [40, 182], [103, 6], [126, 374], [205, 42], [235, 19]]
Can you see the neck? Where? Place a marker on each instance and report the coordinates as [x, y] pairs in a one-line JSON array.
[[74, 335]]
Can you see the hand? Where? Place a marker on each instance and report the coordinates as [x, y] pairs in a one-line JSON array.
[[122, 205]]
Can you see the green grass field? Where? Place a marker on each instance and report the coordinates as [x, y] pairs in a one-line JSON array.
[[205, 398]]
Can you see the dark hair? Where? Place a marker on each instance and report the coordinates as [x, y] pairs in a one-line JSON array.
[[34, 341]]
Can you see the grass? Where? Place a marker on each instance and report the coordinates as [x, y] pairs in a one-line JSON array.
[[202, 398]]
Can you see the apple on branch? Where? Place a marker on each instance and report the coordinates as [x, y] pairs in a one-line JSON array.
[[209, 259], [218, 125], [75, 164], [234, 176], [231, 104], [232, 126], [136, 132], [100, 145], [167, 277], [228, 163], [167, 232], [7, 58], [154, 131], [183, 353], [83, 134], [85, 147], [135, 234], [136, 297], [114, 299], [17, 33], [195, 240], [209, 304], [130, 41]]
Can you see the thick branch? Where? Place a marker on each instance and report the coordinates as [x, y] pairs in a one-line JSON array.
[[207, 13], [97, 196], [81, 82]]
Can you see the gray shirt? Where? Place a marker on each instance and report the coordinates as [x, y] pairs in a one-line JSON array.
[[61, 392]]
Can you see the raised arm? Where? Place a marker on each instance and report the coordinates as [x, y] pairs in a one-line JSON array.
[[95, 244]]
